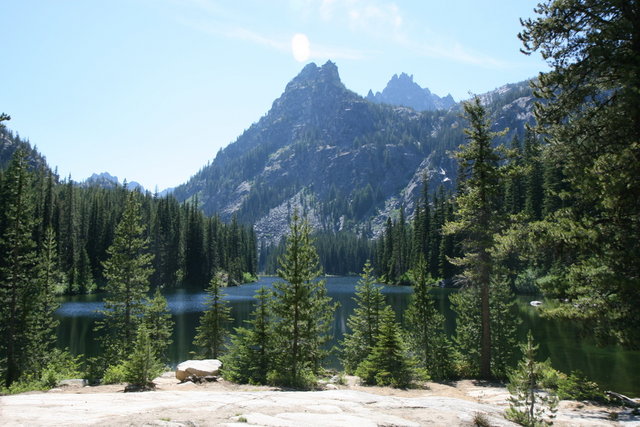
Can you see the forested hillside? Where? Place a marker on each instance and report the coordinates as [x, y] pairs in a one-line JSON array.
[[187, 245]]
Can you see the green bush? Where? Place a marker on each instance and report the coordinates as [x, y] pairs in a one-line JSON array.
[[114, 374], [60, 366], [249, 278], [551, 378], [577, 386]]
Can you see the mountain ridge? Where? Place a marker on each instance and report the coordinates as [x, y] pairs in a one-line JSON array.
[[344, 161]]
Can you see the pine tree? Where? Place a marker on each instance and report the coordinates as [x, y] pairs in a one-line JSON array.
[[44, 305], [533, 178], [212, 331], [157, 320], [4, 117], [18, 269], [249, 357], [143, 365], [389, 363], [528, 404], [127, 271], [301, 309], [427, 336], [364, 322], [478, 215]]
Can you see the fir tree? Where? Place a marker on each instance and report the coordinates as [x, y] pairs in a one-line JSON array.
[[143, 365], [212, 331], [364, 322], [427, 336], [249, 357], [44, 304], [157, 320], [529, 404], [389, 363], [478, 215], [301, 309], [18, 269], [127, 271]]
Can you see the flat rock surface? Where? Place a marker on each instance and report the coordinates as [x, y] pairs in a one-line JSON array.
[[223, 403]]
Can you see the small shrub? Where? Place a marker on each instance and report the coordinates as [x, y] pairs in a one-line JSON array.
[[305, 381], [114, 374], [249, 278], [480, 420], [61, 365], [551, 378], [578, 387], [528, 406]]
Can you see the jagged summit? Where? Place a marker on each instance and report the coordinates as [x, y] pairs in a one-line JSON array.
[[106, 180], [312, 76], [403, 91]]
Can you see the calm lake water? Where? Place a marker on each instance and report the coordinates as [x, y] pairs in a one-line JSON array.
[[612, 367]]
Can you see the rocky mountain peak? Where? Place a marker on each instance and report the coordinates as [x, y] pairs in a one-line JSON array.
[[403, 91], [312, 75]]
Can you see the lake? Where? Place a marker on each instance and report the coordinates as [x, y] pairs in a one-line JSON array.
[[612, 367]]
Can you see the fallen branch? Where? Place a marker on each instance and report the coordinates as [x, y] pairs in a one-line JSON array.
[[626, 401]]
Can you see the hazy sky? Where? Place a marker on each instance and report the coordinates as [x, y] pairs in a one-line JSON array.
[[150, 90]]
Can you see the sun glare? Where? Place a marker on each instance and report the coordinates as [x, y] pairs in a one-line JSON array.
[[300, 47]]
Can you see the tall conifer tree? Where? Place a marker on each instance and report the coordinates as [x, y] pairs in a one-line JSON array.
[[127, 271], [478, 215], [302, 311], [18, 269]]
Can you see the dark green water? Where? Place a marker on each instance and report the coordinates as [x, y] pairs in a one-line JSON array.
[[612, 367]]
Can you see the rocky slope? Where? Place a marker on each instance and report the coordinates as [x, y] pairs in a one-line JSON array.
[[345, 161], [10, 142]]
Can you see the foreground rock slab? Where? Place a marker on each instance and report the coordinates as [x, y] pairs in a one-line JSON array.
[[263, 408], [176, 404]]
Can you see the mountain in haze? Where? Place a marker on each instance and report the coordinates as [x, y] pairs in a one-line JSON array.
[[347, 163], [106, 180], [403, 91]]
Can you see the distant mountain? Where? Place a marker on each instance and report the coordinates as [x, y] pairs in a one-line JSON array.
[[402, 91], [345, 162], [106, 180]]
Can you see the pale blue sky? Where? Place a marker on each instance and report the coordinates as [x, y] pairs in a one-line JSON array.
[[150, 90]]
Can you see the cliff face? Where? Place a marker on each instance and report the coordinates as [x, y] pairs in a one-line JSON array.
[[344, 161]]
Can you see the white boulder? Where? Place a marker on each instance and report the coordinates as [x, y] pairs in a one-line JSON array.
[[199, 368]]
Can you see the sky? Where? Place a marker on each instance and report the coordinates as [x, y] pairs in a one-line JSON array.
[[151, 90]]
